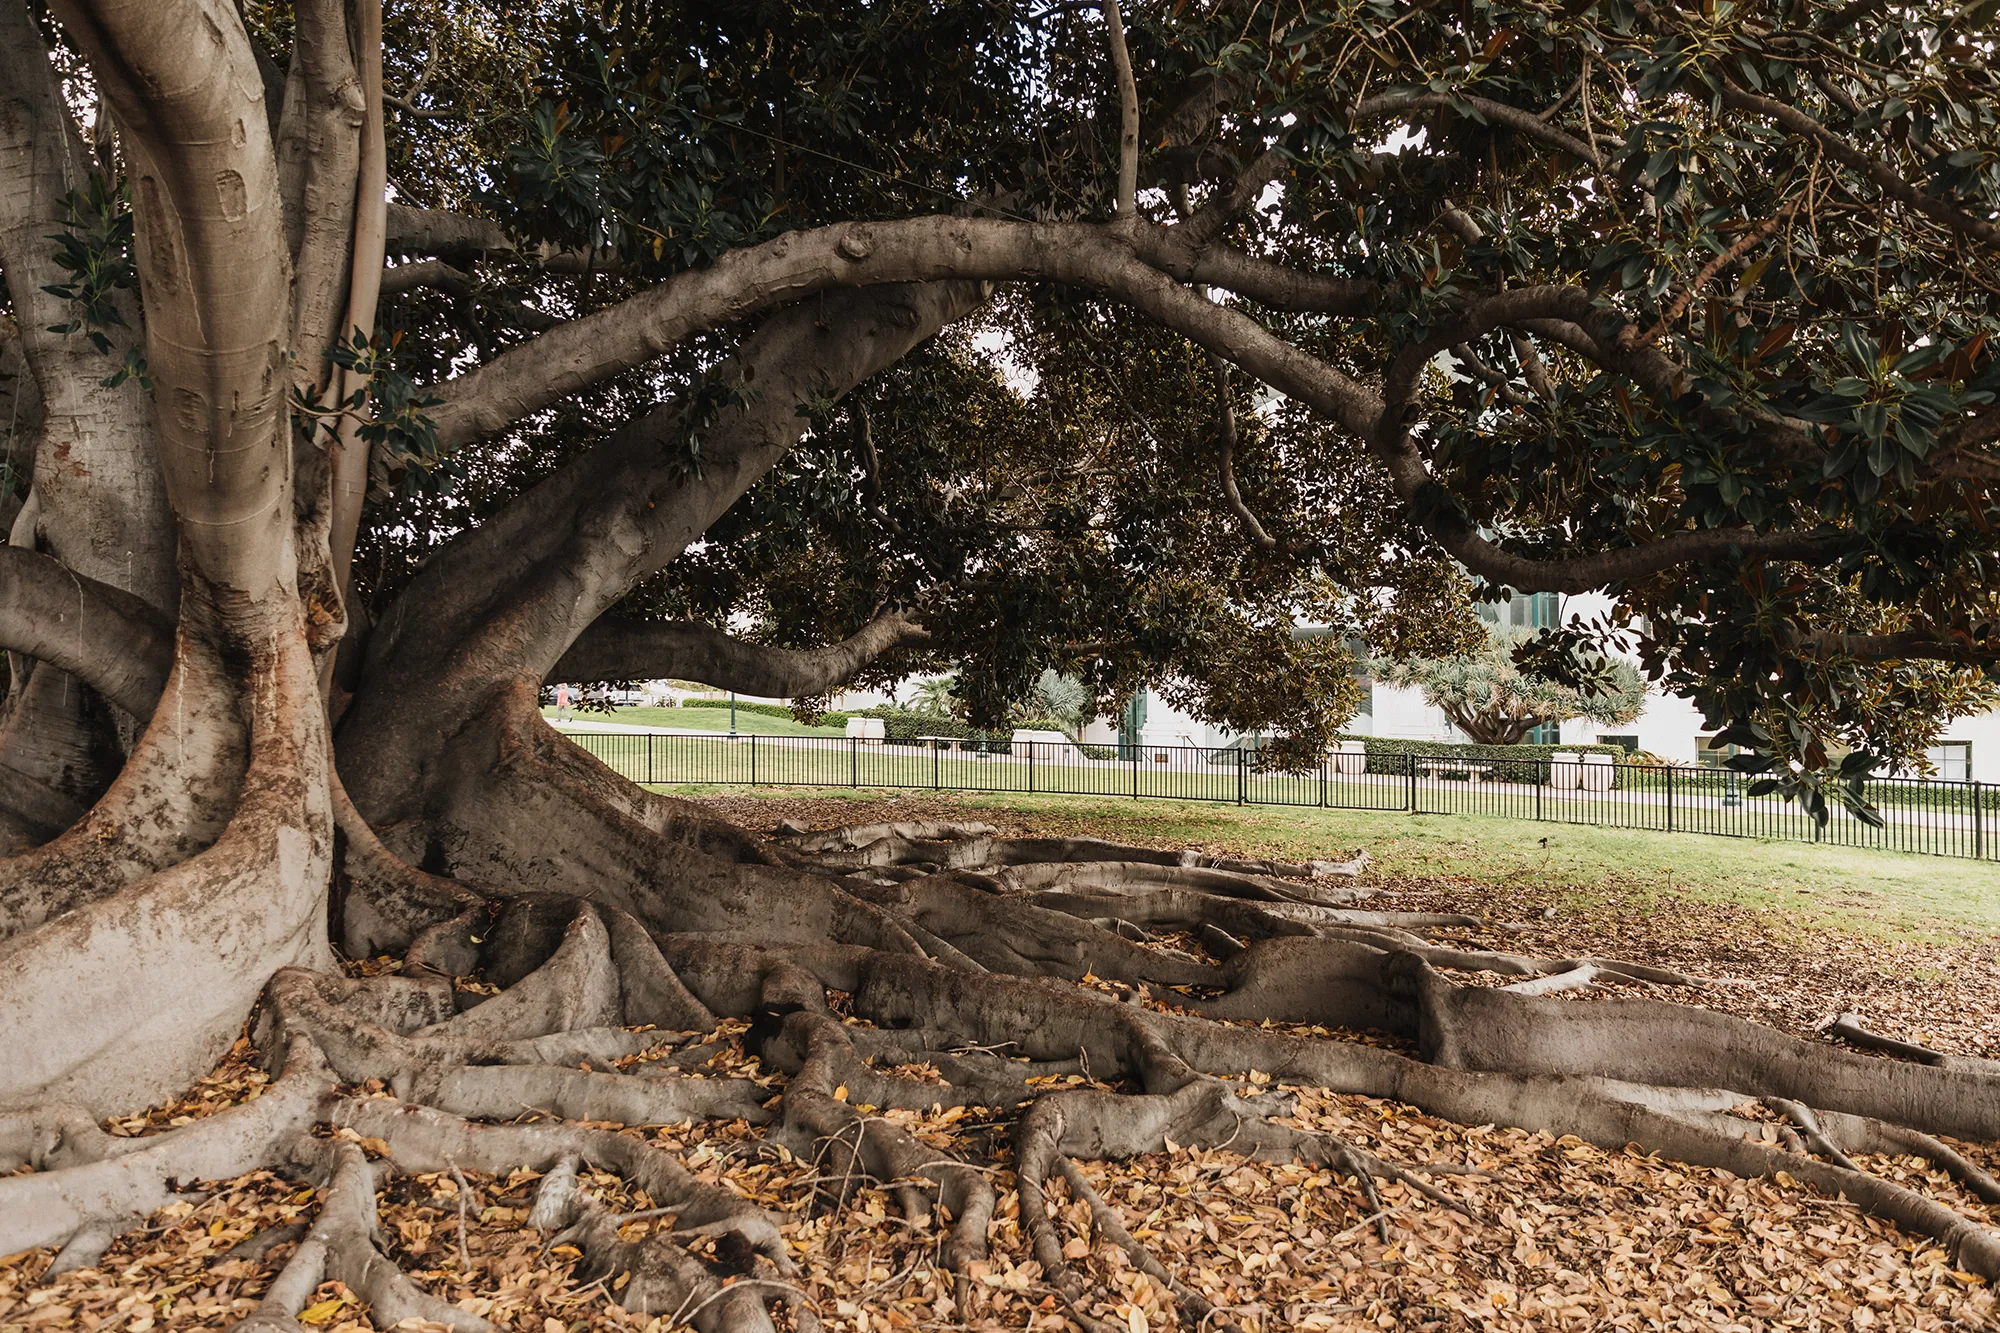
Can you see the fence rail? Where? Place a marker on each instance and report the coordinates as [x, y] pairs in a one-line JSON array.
[[1935, 818]]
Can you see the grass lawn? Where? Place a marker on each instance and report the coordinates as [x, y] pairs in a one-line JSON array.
[[1847, 888], [704, 719]]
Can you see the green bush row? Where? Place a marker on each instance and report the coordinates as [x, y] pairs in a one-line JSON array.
[[768, 710], [1511, 763]]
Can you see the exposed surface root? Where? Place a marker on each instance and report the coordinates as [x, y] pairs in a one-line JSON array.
[[521, 1028]]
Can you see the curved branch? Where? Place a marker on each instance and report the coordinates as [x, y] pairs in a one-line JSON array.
[[590, 349], [1227, 462], [1935, 207], [1264, 281], [109, 639], [618, 649]]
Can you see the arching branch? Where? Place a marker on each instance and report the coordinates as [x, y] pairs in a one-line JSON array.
[[107, 638], [1226, 463], [1891, 181], [618, 649], [436, 231]]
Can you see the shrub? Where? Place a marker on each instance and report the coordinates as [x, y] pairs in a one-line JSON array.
[[1511, 763], [771, 710]]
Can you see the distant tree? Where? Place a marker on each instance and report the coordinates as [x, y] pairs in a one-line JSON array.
[[1495, 701], [934, 695], [1058, 698]]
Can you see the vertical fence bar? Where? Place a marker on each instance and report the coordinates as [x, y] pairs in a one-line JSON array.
[[1978, 833], [753, 758], [649, 758], [1410, 761], [937, 747], [1670, 800], [1031, 765], [854, 761]]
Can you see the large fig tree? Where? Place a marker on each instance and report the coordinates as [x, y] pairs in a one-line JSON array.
[[364, 371]]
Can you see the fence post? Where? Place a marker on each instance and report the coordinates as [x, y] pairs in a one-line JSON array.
[[1241, 792], [1670, 800], [1135, 770], [1411, 760], [1322, 781], [1978, 832], [854, 761], [1542, 774], [936, 747], [1031, 765], [753, 758], [649, 758]]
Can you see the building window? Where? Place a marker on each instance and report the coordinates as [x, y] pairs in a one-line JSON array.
[[1629, 744], [1546, 734], [1540, 610], [1951, 760]]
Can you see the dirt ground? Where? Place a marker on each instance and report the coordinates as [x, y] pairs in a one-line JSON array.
[[1562, 1235]]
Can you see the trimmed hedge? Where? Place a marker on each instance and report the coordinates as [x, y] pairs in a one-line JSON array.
[[1511, 763], [769, 710]]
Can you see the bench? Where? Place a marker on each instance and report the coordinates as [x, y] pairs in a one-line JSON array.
[[1475, 770]]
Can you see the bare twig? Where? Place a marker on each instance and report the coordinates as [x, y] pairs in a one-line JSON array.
[[464, 1197], [1757, 236]]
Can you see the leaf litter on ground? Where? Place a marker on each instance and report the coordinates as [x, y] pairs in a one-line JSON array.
[[1567, 1235]]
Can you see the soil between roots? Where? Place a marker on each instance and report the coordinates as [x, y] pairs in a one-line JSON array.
[[1580, 1239]]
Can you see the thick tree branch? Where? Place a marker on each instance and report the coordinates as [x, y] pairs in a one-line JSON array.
[[1910, 645], [319, 148], [1891, 181], [1208, 224], [617, 649], [590, 349], [107, 638], [434, 231]]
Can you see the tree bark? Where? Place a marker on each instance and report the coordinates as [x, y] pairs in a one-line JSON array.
[[125, 990], [500, 606]]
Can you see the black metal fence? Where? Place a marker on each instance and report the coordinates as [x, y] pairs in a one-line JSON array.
[[1937, 818]]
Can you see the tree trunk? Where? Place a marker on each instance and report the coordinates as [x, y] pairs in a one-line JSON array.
[[133, 947]]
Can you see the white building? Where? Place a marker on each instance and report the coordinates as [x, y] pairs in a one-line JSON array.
[[1669, 726]]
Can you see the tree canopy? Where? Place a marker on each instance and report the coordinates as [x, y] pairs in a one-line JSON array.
[[1694, 305], [366, 371]]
